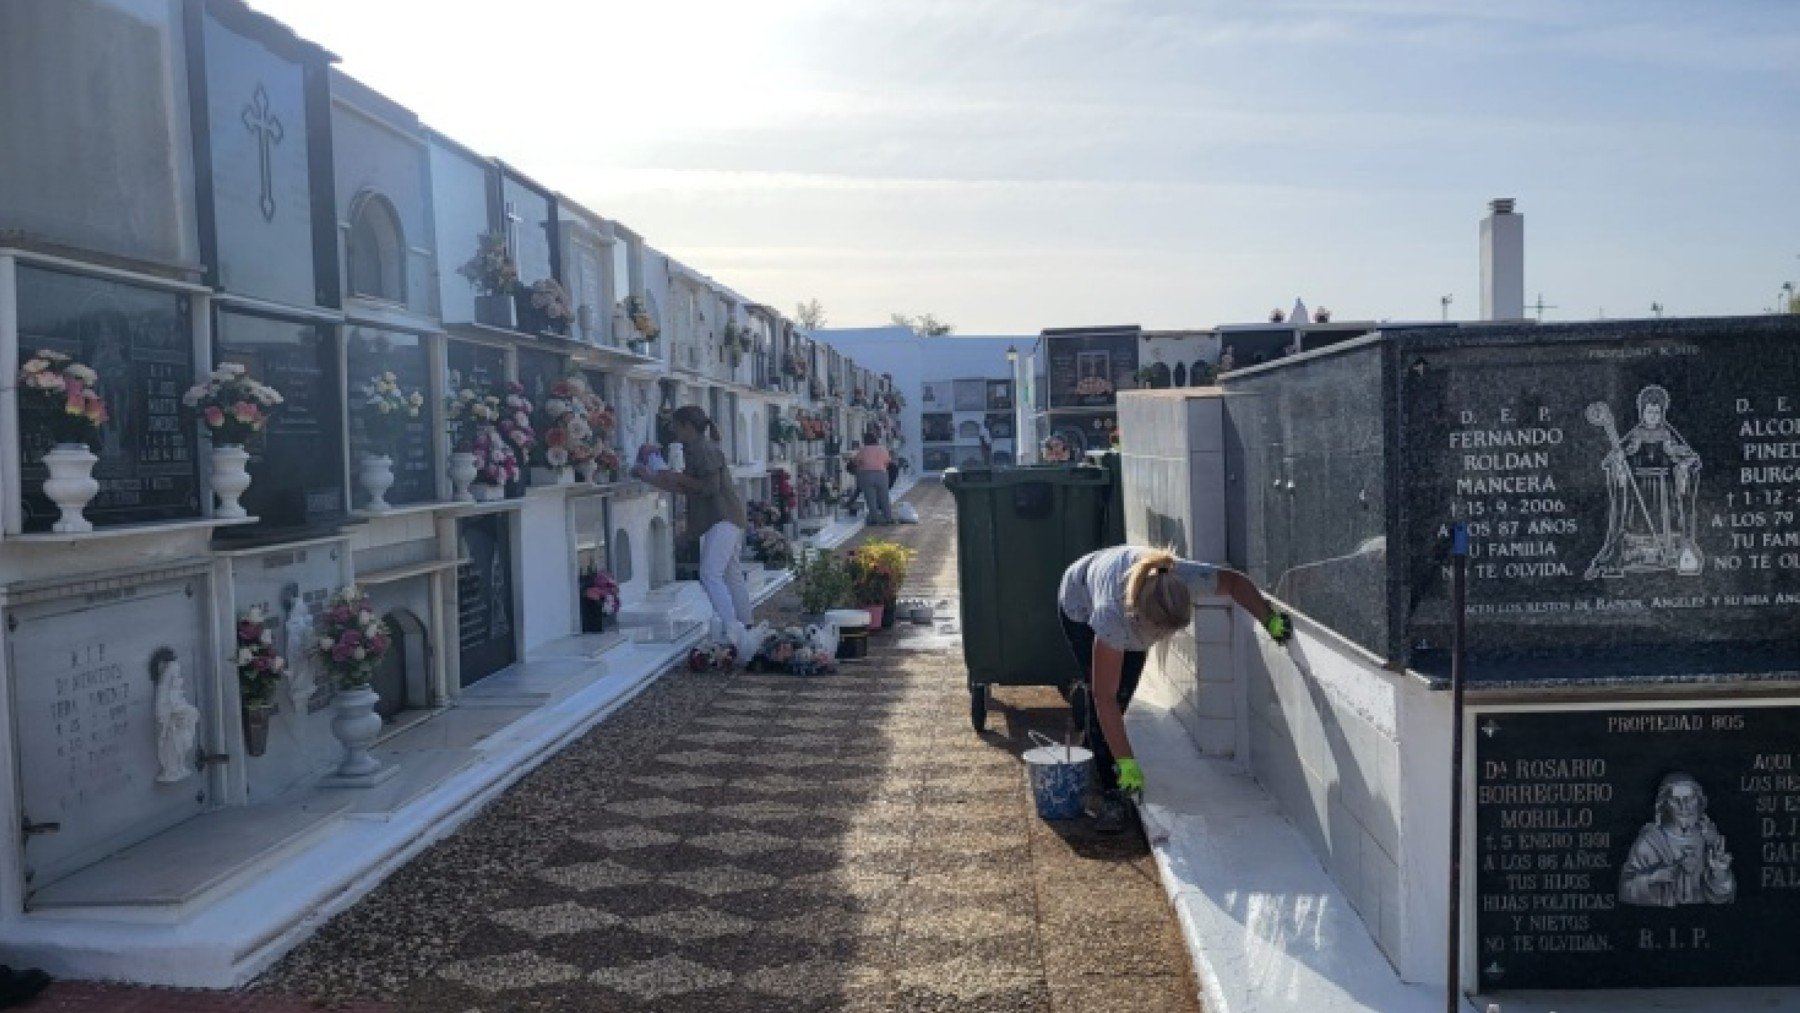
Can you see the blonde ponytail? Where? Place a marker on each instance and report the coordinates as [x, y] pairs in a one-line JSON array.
[[1155, 596]]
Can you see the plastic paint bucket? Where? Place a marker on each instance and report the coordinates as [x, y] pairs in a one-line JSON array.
[[1058, 776]]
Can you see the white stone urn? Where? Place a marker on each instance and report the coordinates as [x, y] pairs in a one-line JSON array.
[[71, 485], [230, 477], [377, 476], [356, 725], [462, 472]]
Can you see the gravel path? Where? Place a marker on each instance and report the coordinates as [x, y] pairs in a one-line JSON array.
[[770, 843]]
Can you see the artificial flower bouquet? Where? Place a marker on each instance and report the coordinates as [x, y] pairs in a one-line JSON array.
[[550, 299], [387, 409], [1055, 450], [496, 463], [234, 407], [771, 546], [640, 318], [599, 598], [350, 639], [259, 666], [69, 390], [1093, 386], [794, 366], [651, 458], [491, 270]]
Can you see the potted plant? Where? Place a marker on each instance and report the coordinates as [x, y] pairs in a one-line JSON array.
[[821, 580], [494, 276], [878, 568], [234, 409], [599, 599], [351, 643], [387, 409], [259, 671], [67, 396]]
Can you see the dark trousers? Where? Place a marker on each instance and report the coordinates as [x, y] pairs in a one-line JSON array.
[[1081, 700]]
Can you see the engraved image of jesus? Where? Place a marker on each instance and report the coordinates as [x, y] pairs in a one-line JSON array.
[[1652, 484], [1679, 857]]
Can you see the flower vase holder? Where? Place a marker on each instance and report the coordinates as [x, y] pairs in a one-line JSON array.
[[552, 476], [584, 471], [377, 477], [230, 477], [462, 472], [71, 485], [257, 718], [487, 492], [356, 725]]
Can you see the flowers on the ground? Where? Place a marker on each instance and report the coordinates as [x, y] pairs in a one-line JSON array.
[[259, 667], [70, 393], [387, 409], [350, 639], [720, 657], [491, 270], [234, 407], [792, 650]]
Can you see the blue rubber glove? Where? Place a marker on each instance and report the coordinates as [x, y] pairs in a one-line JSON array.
[[1131, 776]]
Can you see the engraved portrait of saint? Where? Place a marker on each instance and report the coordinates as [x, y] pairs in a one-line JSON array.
[[1652, 485], [1679, 857]]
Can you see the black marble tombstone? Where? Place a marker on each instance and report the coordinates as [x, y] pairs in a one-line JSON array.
[[939, 427], [1086, 369], [1630, 489], [140, 342], [484, 596], [1636, 848], [370, 352], [297, 471], [475, 366]]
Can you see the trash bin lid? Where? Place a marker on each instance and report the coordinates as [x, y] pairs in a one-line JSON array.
[[851, 618]]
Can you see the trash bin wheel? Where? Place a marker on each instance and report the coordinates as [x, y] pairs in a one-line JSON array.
[[978, 707]]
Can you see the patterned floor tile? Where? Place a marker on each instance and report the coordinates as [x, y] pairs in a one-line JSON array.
[[656, 979], [811, 980], [651, 808], [682, 780], [714, 880], [702, 758], [593, 875], [693, 923], [627, 837], [508, 972], [737, 843], [761, 811], [965, 978], [717, 738], [555, 919]]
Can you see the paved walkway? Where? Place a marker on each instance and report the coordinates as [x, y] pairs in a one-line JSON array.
[[742, 842]]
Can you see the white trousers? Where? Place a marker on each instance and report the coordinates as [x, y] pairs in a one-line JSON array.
[[721, 573]]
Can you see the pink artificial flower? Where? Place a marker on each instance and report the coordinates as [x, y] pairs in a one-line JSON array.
[[214, 417]]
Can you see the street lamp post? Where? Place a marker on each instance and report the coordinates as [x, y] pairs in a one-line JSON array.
[[1018, 404]]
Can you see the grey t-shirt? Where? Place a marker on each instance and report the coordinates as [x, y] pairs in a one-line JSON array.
[[719, 500], [1093, 592]]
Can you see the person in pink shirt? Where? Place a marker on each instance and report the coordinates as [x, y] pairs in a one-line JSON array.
[[871, 464]]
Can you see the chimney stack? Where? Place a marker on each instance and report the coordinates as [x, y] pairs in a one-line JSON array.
[[1502, 262]]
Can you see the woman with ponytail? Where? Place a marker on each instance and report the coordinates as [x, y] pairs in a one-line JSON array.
[[1116, 603], [714, 510]]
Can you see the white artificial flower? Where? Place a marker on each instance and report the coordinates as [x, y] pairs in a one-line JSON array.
[[359, 654], [245, 656], [325, 643]]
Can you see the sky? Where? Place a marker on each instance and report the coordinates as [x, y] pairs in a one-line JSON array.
[[1010, 165]]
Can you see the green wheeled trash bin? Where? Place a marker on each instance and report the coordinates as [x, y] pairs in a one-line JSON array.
[[1017, 530]]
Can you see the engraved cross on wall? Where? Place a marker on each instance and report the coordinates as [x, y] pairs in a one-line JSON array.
[[268, 130]]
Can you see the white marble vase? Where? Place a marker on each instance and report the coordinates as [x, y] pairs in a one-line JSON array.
[[584, 471], [356, 725], [377, 476], [230, 477], [462, 472], [71, 485]]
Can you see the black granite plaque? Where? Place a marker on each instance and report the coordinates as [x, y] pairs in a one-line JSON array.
[[1641, 490], [1084, 431], [475, 366], [484, 596], [369, 353], [938, 427], [140, 342], [1636, 848], [1087, 370], [1000, 425], [298, 469]]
